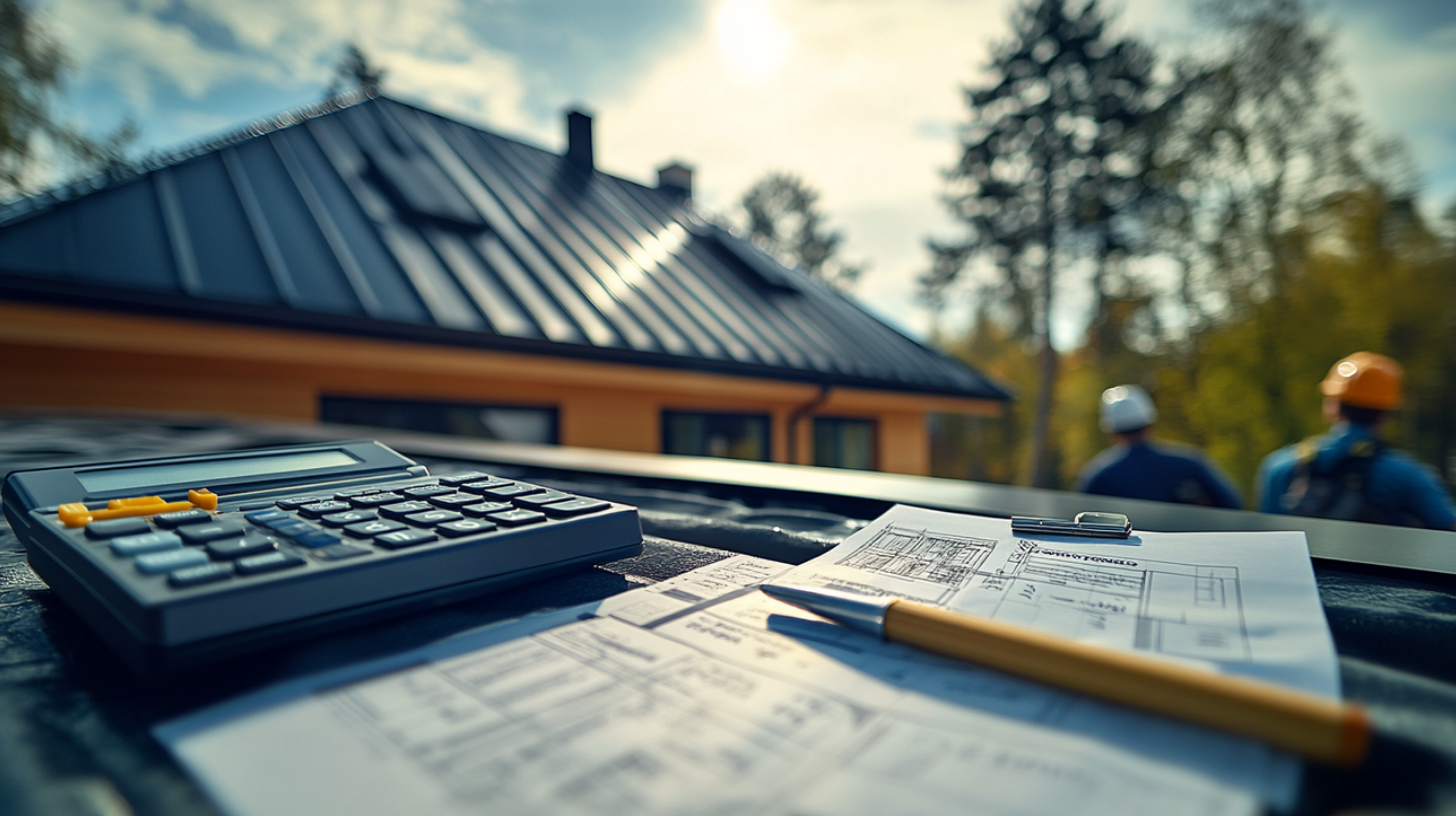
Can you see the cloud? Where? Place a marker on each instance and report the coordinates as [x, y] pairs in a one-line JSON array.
[[860, 105]]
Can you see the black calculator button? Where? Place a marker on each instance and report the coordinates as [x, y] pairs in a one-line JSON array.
[[464, 527], [203, 533], [399, 510], [159, 562], [345, 495], [181, 517], [511, 491], [485, 484], [264, 505], [452, 501], [369, 529], [128, 546], [202, 574], [485, 508], [265, 516], [422, 491], [268, 562], [461, 478], [404, 538], [322, 508], [230, 548], [349, 517], [299, 501], [430, 518], [516, 518], [338, 552], [375, 499], [111, 528], [535, 500], [575, 507]]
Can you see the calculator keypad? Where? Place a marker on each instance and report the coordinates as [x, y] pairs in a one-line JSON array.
[[195, 547]]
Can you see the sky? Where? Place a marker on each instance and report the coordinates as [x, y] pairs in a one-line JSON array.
[[860, 98]]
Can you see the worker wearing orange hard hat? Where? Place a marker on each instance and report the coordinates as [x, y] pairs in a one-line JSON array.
[[1350, 473]]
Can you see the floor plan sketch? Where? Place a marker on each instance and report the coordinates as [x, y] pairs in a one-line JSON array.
[[947, 561], [1177, 609]]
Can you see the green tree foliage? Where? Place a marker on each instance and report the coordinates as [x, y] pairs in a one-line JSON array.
[[1295, 239], [35, 143], [782, 217], [1049, 169]]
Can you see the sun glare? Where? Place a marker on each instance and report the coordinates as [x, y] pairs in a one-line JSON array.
[[748, 37]]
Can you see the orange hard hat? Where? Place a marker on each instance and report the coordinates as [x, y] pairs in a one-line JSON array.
[[1365, 380]]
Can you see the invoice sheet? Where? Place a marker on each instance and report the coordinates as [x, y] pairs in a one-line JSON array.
[[702, 695]]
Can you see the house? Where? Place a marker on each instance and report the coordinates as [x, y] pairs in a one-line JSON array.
[[371, 262]]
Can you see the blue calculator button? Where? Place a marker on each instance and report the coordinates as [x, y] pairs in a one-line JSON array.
[[291, 527], [404, 538], [204, 574], [128, 546], [268, 562], [112, 528], [263, 505], [265, 516], [159, 562], [317, 538]]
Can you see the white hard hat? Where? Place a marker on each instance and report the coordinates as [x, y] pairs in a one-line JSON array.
[[1127, 408]]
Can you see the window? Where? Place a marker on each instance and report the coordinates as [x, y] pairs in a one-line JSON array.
[[507, 423], [728, 436], [844, 443]]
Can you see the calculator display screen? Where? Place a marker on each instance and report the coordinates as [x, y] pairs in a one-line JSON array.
[[215, 470]]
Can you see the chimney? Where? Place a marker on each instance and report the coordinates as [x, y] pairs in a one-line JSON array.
[[676, 179], [579, 140]]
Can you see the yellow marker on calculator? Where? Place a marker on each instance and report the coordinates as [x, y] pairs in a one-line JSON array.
[[77, 514]]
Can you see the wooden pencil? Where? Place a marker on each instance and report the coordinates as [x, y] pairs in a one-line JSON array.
[[1314, 727]]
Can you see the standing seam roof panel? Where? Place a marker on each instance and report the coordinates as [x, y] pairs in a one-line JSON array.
[[722, 302], [577, 222], [568, 287], [747, 304], [267, 245], [547, 312], [333, 237], [581, 261], [397, 300]]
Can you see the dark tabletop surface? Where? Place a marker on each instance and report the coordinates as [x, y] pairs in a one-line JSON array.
[[75, 724]]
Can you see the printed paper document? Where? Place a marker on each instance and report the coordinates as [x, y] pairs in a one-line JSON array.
[[700, 695]]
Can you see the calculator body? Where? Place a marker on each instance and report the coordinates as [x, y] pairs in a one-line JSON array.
[[183, 560]]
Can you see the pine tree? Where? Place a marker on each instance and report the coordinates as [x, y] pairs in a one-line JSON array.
[[783, 218], [1051, 168]]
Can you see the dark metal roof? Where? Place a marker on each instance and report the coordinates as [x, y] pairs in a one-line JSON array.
[[379, 218]]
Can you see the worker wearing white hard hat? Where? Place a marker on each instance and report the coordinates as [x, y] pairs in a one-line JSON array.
[[1136, 467]]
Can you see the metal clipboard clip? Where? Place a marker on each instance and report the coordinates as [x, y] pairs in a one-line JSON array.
[[1093, 525]]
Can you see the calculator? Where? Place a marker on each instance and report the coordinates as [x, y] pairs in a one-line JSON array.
[[184, 560]]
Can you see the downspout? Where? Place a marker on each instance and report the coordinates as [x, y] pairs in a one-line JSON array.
[[798, 416]]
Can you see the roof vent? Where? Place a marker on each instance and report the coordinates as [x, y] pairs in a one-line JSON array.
[[676, 179], [579, 140]]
